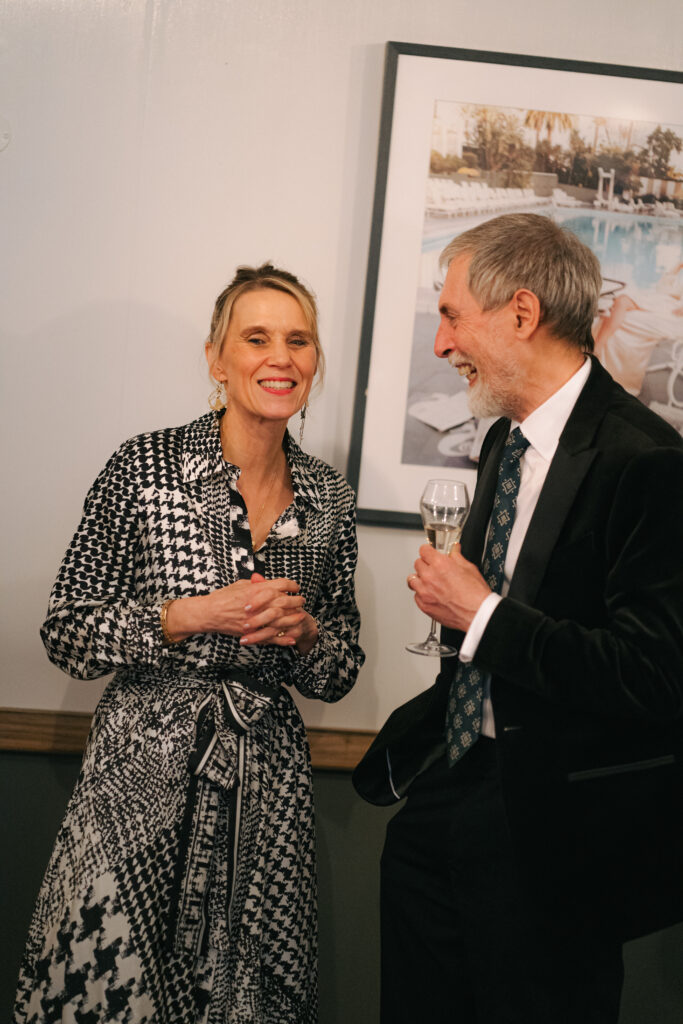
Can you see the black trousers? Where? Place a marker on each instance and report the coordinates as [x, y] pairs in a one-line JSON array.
[[460, 942]]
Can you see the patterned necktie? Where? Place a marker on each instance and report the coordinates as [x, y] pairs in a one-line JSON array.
[[463, 716]]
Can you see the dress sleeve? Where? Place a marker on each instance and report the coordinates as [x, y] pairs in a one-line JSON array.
[[96, 622], [330, 669]]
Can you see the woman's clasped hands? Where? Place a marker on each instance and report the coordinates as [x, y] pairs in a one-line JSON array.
[[257, 610], [275, 614]]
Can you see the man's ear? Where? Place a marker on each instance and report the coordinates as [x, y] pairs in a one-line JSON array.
[[526, 310]]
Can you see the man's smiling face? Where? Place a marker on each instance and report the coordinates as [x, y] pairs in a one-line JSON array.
[[478, 344]]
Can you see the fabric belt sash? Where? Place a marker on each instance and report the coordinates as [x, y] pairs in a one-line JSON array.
[[215, 765]]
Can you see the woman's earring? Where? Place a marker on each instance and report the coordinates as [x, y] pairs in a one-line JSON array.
[[302, 423], [218, 398]]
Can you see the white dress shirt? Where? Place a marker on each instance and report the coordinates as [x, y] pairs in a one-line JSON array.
[[542, 429]]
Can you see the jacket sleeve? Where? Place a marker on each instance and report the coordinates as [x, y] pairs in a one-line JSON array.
[[330, 669], [632, 664], [95, 622]]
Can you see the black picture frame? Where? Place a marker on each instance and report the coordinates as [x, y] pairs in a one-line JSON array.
[[387, 490]]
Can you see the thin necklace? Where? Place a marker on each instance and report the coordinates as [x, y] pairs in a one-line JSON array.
[[254, 522], [257, 518]]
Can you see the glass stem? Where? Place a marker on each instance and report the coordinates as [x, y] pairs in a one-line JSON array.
[[433, 639]]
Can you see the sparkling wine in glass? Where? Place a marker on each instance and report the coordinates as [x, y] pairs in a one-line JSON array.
[[443, 506]]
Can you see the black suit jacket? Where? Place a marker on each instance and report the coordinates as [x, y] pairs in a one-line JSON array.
[[586, 661]]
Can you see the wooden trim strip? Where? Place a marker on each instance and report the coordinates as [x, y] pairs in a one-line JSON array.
[[338, 749], [44, 732], [65, 732]]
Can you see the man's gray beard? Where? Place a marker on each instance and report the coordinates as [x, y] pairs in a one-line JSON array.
[[483, 403]]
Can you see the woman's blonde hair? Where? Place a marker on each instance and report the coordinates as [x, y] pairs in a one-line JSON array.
[[250, 279]]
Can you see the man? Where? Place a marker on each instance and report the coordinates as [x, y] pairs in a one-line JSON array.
[[543, 824]]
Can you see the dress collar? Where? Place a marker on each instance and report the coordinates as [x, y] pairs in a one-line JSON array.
[[304, 476], [202, 456]]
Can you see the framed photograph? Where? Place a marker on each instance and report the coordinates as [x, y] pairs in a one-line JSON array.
[[467, 135]]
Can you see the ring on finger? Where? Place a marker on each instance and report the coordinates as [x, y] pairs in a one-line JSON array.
[[281, 633]]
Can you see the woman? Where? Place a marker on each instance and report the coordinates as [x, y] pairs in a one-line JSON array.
[[213, 568]]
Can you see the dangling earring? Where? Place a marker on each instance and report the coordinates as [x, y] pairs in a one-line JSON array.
[[218, 398], [302, 423]]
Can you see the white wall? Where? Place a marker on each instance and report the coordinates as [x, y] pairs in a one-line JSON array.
[[155, 145]]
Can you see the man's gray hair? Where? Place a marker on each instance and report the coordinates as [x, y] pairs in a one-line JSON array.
[[527, 250]]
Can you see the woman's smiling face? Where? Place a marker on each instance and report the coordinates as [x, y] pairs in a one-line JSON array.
[[268, 358]]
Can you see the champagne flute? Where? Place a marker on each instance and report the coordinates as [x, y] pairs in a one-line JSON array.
[[443, 506]]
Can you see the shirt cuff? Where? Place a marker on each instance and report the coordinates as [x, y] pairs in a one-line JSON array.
[[468, 648]]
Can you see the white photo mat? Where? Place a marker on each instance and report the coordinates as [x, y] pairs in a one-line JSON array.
[[389, 490]]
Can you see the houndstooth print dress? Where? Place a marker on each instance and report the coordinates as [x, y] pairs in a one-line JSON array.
[[182, 883]]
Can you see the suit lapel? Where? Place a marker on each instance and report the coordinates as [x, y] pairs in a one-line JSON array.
[[474, 533], [564, 478], [572, 460]]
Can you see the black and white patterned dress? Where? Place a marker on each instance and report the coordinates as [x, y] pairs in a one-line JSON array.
[[182, 883]]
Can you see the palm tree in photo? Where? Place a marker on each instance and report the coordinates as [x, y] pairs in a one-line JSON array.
[[550, 120], [600, 122]]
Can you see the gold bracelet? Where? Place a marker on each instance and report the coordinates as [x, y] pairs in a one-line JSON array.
[[168, 639]]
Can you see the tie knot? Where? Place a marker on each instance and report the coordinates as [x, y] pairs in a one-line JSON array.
[[515, 446]]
